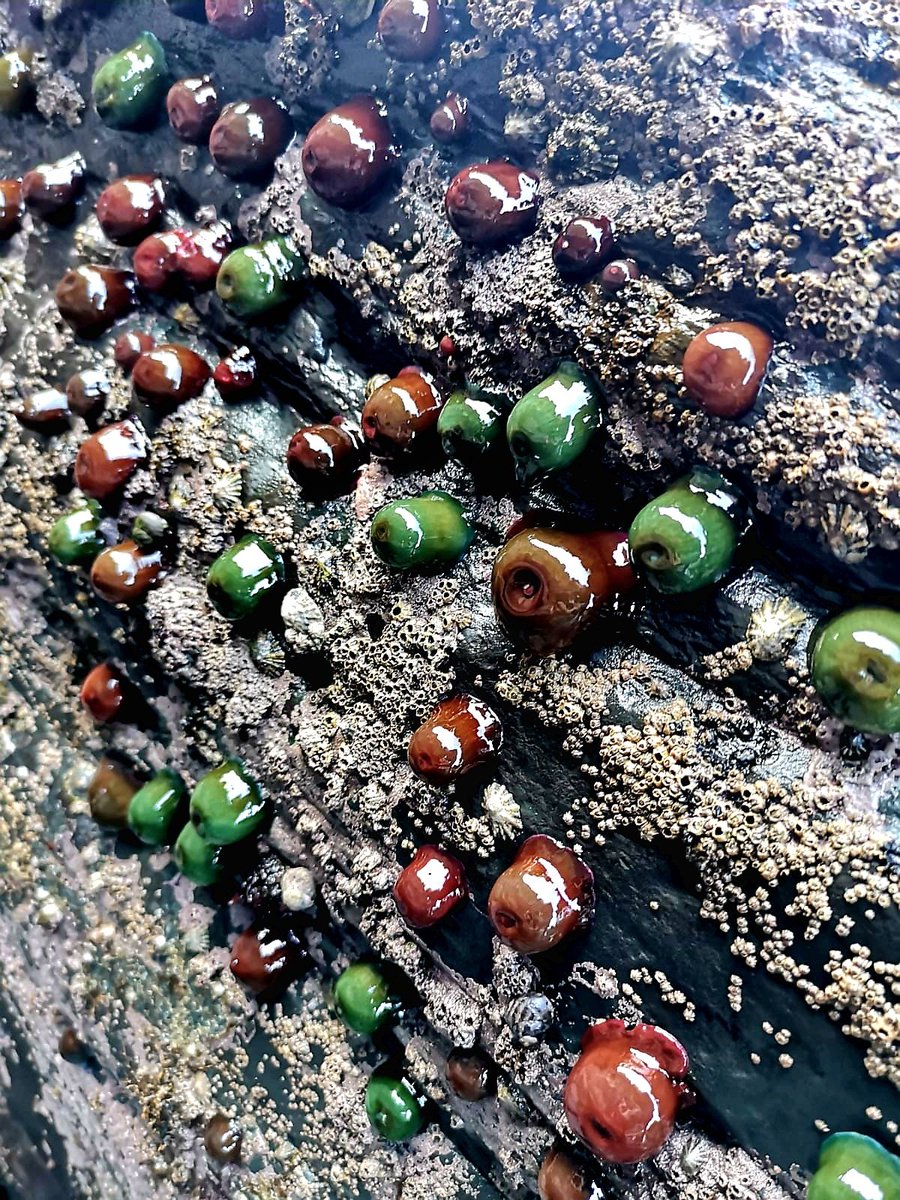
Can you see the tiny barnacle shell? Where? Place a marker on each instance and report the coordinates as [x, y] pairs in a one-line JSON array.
[[227, 490], [693, 1157], [267, 653], [846, 532], [298, 889], [196, 939], [501, 810], [304, 622], [680, 46], [180, 493], [772, 628]]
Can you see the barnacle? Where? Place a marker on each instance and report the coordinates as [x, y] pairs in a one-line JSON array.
[[772, 628]]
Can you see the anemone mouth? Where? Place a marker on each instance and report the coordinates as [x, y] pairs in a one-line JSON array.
[[522, 450], [656, 556], [421, 760], [504, 921], [873, 672], [601, 1132], [523, 591], [226, 284], [872, 677]]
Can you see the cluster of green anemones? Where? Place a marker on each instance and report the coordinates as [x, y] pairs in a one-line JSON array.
[[545, 431], [367, 1002], [225, 807]]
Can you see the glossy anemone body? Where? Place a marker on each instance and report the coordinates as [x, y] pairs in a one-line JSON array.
[[470, 1074], [364, 997], [154, 805], [348, 153], [429, 887], [490, 203], [470, 425], [855, 1167], [196, 859], [394, 1107], [450, 122], [129, 87], [46, 410], [423, 532], [128, 348], [564, 1177], [236, 376], [686, 538], [245, 577], [16, 80], [168, 375], [227, 805], [542, 897], [12, 207], [222, 1139], [102, 693], [401, 413], [91, 298], [192, 106], [123, 573], [248, 136], [549, 585], [51, 189], [109, 794], [583, 247], [724, 367], [616, 274], [88, 391], [254, 279], [854, 665], [192, 257], [130, 207], [239, 18], [325, 458], [107, 458], [75, 537], [411, 30], [623, 1093], [265, 959], [553, 423], [460, 735], [157, 260]]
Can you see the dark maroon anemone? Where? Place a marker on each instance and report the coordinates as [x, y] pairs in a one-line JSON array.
[[493, 202], [349, 153]]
